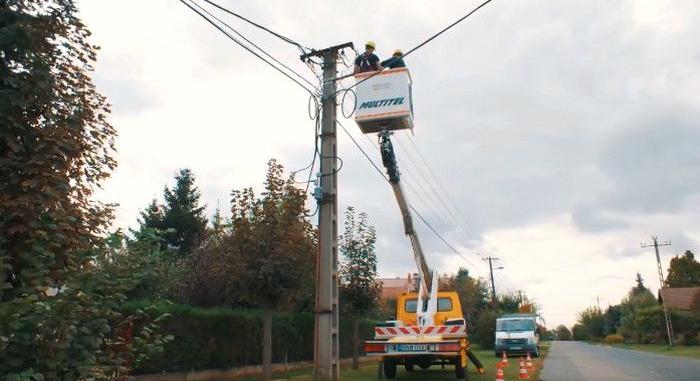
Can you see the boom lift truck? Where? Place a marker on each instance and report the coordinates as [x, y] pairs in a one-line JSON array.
[[429, 328]]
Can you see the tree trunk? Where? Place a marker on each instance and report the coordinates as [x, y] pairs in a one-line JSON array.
[[355, 342], [267, 345]]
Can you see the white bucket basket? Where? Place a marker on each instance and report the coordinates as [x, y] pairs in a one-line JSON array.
[[384, 101]]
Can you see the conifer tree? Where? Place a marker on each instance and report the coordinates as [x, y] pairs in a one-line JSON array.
[[151, 217], [184, 223]]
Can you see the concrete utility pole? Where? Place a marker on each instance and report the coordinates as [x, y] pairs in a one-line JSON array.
[[656, 244], [326, 352], [493, 284]]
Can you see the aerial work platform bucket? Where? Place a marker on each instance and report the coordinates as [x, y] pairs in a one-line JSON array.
[[384, 101]]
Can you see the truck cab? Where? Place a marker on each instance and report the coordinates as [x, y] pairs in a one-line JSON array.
[[516, 334], [448, 308]]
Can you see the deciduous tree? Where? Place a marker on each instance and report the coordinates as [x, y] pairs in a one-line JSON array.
[[684, 271], [359, 289], [62, 288]]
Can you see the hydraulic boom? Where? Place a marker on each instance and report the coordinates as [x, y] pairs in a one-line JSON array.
[[428, 280]]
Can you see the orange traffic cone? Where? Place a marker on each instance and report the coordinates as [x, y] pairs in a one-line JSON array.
[[528, 362], [523, 371], [499, 374], [504, 361]]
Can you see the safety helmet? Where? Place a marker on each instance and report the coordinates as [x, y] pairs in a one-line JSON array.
[[371, 44], [398, 52]]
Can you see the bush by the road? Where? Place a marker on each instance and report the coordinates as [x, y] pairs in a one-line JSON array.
[[614, 339], [218, 338], [485, 330], [563, 333]]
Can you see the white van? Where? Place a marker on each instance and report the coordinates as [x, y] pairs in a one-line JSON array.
[[517, 334]]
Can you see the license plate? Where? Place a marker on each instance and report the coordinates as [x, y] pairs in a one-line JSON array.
[[516, 348], [412, 347]]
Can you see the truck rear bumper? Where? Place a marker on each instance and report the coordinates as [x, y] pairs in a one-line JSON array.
[[445, 348]]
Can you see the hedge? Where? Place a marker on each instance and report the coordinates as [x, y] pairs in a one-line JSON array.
[[220, 338]]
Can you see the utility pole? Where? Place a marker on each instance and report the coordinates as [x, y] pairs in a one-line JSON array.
[[493, 284], [656, 244], [326, 351]]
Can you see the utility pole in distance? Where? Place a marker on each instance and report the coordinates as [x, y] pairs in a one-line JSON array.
[[656, 244], [326, 350], [493, 284]]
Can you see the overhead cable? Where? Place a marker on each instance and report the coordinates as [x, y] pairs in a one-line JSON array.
[[425, 221], [234, 39], [427, 40], [281, 37]]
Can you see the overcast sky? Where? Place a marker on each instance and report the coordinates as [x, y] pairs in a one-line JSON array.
[[564, 132]]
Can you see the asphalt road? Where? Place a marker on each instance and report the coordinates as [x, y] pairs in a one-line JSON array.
[[574, 361]]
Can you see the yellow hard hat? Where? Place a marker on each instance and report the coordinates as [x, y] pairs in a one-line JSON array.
[[371, 44], [398, 51]]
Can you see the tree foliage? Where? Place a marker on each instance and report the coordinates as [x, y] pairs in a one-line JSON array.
[[638, 318], [63, 283], [358, 269], [264, 259], [473, 293], [563, 333], [684, 271], [184, 224]]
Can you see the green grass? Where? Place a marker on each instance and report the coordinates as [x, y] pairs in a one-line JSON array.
[[368, 372], [682, 351]]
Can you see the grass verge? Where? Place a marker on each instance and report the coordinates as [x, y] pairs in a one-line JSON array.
[[368, 372], [681, 351]]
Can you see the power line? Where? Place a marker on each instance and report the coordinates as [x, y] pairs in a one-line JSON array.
[[437, 196], [255, 45], [234, 39], [420, 216], [442, 187], [431, 205], [427, 40], [281, 37]]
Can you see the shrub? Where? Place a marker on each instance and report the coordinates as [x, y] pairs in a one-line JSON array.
[[219, 338], [563, 333], [485, 330], [614, 339]]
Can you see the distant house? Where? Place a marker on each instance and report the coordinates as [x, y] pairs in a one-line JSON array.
[[680, 298], [393, 287]]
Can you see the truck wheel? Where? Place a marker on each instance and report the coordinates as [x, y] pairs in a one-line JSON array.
[[389, 369]]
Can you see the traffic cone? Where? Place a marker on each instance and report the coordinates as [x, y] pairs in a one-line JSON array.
[[523, 371], [499, 374], [528, 362], [504, 361]]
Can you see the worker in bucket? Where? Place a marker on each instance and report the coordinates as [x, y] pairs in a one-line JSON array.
[[395, 61], [367, 61]]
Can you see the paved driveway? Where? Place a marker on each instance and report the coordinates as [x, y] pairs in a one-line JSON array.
[[574, 361]]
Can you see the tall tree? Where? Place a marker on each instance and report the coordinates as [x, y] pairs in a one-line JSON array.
[[563, 333], [359, 290], [184, 222], [684, 271], [151, 217], [473, 293], [639, 288], [265, 258], [59, 315]]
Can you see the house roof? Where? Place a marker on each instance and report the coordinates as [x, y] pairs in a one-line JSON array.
[[393, 287], [678, 297], [393, 282]]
